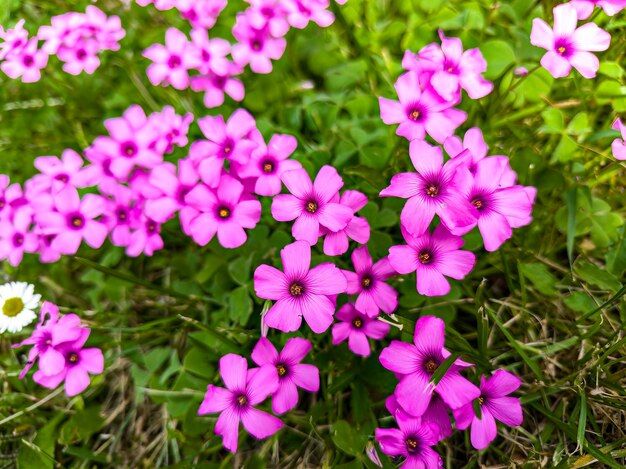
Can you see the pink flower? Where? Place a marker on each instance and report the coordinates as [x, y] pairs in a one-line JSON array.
[[358, 229], [215, 86], [417, 363], [11, 196], [450, 68], [413, 440], [310, 204], [201, 13], [584, 8], [500, 208], [83, 57], [16, 236], [436, 189], [568, 46], [619, 144], [212, 53], [56, 173], [432, 258], [145, 237], [171, 128], [299, 291], [255, 47], [420, 110], [235, 403], [226, 141], [494, 404], [13, 39], [356, 327], [49, 333], [300, 12], [73, 220], [225, 212], [289, 372], [269, 162], [78, 364], [172, 61], [369, 283], [120, 214], [271, 14], [25, 64], [436, 413]]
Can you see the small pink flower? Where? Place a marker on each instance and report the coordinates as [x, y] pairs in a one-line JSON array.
[[436, 189], [171, 128], [420, 110], [337, 243], [299, 291], [120, 214], [201, 13], [368, 282], [310, 204], [416, 364], [289, 372], [271, 14], [568, 46], [56, 173], [357, 327], [225, 212], [495, 404], [145, 237], [619, 144], [225, 141], [211, 53], [433, 258], [436, 413], [216, 86], [17, 237], [301, 12], [255, 47], [171, 62], [73, 220], [235, 403], [13, 39], [25, 64], [584, 8], [269, 162]]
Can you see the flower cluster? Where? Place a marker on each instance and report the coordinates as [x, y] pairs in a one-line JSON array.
[[422, 402], [278, 375], [58, 348], [202, 63], [75, 38]]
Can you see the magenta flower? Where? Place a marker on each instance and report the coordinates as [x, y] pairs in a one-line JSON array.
[[299, 291], [255, 47], [432, 257], [201, 13], [450, 68], [619, 144], [358, 229], [225, 212], [436, 189], [301, 12], [49, 333], [270, 14], [417, 363], [225, 141], [211, 53], [568, 46], [16, 236], [495, 404], [413, 440], [310, 204], [13, 39], [171, 128], [369, 284], [120, 214], [56, 173], [215, 86], [268, 162], [357, 327], [171, 62], [584, 8], [78, 364], [436, 414], [235, 403], [145, 237], [73, 220], [25, 63], [420, 110], [289, 372], [499, 208]]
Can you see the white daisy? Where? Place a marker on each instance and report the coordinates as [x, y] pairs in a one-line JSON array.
[[17, 304]]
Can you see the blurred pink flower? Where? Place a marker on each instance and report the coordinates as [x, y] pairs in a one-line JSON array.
[[255, 47], [270, 14], [619, 144], [172, 61], [17, 236], [301, 12], [25, 63], [584, 8], [215, 86]]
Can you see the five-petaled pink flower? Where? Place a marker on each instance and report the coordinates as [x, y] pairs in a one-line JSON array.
[[172, 61], [368, 282], [310, 204], [435, 189], [420, 110], [357, 327], [16, 236], [568, 46], [494, 404], [290, 373], [619, 144], [584, 8], [299, 291], [255, 47], [358, 228], [235, 403], [418, 362], [25, 63]]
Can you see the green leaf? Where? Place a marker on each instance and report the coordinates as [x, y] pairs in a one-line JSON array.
[[570, 204], [595, 275], [240, 305], [239, 269], [347, 439], [579, 302], [499, 56], [554, 122], [540, 277]]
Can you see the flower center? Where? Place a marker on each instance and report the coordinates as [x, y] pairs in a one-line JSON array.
[[73, 357], [81, 54], [432, 190], [282, 371], [151, 227], [411, 444], [242, 400], [296, 289], [77, 221], [121, 214], [28, 60], [366, 281], [256, 45], [174, 61], [18, 239], [357, 322], [224, 213], [62, 177], [227, 149], [414, 115], [129, 149], [12, 307], [311, 207], [431, 366], [561, 50], [477, 203], [268, 167], [481, 400], [425, 257]]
